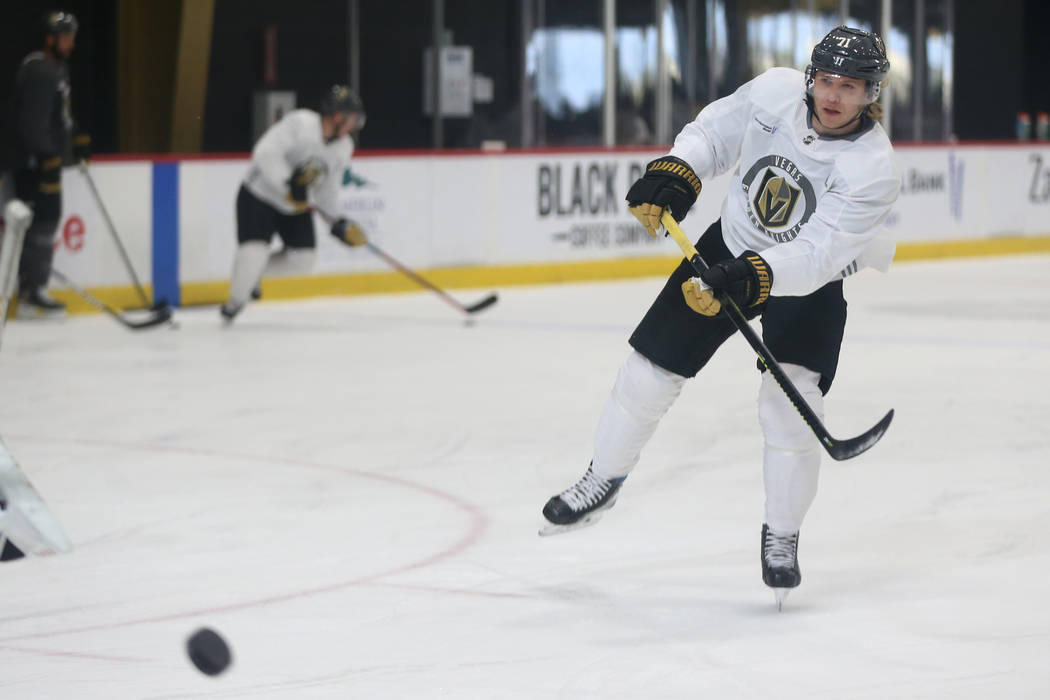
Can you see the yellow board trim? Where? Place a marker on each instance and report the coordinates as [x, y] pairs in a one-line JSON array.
[[1006, 245], [447, 277], [513, 275]]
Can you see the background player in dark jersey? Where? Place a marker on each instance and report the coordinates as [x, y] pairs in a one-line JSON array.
[[42, 129]]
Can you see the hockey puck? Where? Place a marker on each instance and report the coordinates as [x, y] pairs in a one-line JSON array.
[[208, 652]]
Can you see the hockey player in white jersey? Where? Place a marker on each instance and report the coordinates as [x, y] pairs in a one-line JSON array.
[[813, 186], [297, 160]]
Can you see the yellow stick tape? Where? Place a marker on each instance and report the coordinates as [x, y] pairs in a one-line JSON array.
[[676, 233]]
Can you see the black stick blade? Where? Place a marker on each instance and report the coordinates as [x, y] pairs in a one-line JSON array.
[[483, 304], [157, 317], [847, 449]]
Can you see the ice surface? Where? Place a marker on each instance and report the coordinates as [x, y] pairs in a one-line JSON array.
[[349, 490]]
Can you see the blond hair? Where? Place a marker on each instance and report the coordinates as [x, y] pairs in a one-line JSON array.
[[874, 110]]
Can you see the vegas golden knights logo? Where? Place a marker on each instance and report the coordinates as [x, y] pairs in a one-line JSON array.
[[775, 200]]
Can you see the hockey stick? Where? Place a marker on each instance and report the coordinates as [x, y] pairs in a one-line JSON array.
[[25, 519], [469, 309], [116, 239], [838, 449], [415, 277], [156, 316]]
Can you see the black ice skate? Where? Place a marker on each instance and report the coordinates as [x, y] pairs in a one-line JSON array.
[[229, 312], [8, 550], [780, 563], [37, 303], [581, 505]]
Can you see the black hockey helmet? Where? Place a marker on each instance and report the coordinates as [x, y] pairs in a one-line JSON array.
[[851, 52], [341, 98], [58, 22]]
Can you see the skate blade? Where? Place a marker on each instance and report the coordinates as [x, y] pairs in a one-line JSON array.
[[781, 594], [553, 529]]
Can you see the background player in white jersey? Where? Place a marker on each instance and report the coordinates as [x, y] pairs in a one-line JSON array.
[[806, 207], [300, 158]]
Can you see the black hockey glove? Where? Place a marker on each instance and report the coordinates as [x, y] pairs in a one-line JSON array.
[[668, 183], [81, 148], [349, 232], [49, 174], [746, 280], [302, 177]]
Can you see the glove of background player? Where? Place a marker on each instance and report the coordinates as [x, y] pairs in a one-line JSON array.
[[349, 232], [297, 184], [746, 280], [669, 183], [49, 174], [81, 148]]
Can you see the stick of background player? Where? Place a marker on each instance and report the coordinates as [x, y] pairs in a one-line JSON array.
[[161, 306], [153, 317], [468, 309], [805, 208], [42, 140], [299, 158]]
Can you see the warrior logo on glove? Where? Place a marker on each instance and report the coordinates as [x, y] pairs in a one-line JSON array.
[[668, 183]]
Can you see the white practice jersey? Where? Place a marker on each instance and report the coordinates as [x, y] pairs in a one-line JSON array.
[[292, 142], [813, 206]]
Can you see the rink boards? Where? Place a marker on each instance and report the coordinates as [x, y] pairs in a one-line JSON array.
[[471, 219]]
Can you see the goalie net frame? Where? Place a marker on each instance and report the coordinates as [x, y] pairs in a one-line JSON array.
[[25, 520], [17, 217]]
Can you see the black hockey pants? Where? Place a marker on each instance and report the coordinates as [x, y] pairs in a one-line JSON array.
[[34, 267]]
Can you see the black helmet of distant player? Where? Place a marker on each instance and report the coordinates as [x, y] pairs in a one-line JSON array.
[[57, 23], [850, 52], [341, 99], [55, 26]]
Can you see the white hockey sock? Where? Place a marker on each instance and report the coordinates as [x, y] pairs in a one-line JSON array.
[[640, 397], [791, 463], [248, 265]]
